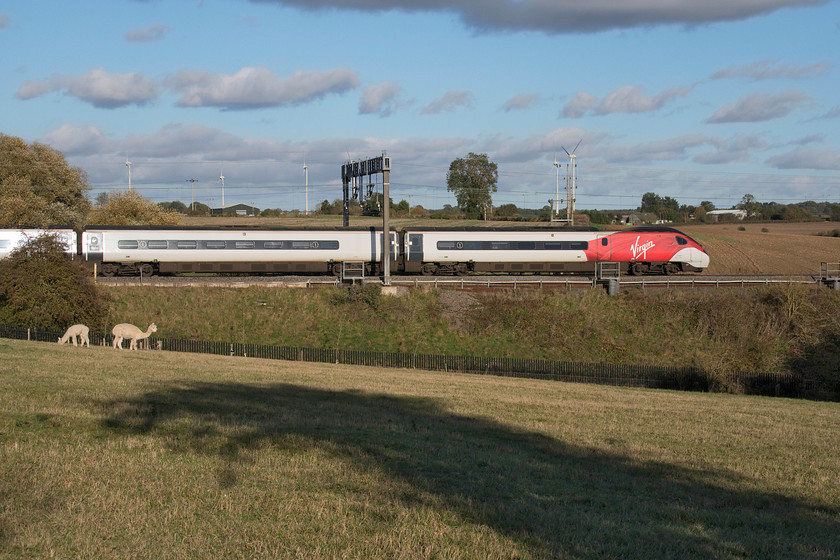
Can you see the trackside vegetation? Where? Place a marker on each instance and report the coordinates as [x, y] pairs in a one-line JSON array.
[[111, 454], [786, 328]]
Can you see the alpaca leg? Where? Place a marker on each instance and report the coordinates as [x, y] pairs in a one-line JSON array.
[[73, 338]]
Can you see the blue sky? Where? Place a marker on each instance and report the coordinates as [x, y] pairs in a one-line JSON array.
[[693, 100]]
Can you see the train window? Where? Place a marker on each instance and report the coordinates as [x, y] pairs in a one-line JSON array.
[[214, 244], [526, 245], [245, 245], [187, 244], [681, 240], [155, 244], [301, 244], [604, 241], [499, 245], [566, 245], [126, 244], [5, 243]]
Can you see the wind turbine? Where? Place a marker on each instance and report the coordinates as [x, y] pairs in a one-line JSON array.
[[557, 193], [306, 181], [570, 187], [222, 179], [128, 164]]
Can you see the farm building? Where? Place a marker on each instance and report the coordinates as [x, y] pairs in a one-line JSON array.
[[237, 209], [714, 215]]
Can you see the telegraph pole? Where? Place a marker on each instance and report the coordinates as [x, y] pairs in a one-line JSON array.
[[192, 204]]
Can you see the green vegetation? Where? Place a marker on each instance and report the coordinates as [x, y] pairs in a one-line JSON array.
[[111, 454], [772, 329], [41, 287], [38, 187]]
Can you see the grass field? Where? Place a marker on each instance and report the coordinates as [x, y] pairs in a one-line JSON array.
[[107, 454]]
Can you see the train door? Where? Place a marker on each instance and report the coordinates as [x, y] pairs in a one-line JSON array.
[[414, 248]]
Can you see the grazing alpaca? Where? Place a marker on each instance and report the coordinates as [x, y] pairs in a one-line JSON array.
[[132, 333], [76, 330]]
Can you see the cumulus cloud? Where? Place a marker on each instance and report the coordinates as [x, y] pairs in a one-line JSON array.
[[769, 69], [382, 99], [736, 150], [98, 87], [75, 140], [566, 16], [258, 87], [154, 32], [521, 102], [626, 99], [662, 150], [451, 101], [757, 107]]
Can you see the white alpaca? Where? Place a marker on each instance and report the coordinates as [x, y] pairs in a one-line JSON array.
[[76, 330], [132, 333]]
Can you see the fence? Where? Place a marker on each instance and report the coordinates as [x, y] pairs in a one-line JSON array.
[[652, 377]]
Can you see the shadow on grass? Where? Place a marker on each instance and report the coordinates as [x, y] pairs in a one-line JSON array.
[[558, 500]]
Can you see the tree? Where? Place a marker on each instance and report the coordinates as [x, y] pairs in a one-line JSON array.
[[750, 205], [129, 208], [42, 287], [651, 202], [38, 187], [473, 179]]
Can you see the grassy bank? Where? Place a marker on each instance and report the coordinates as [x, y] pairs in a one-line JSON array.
[[785, 328], [156, 454]]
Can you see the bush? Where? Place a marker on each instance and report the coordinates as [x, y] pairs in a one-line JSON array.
[[42, 287]]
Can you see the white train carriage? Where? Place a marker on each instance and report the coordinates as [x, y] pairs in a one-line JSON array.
[[504, 250], [256, 251], [11, 239]]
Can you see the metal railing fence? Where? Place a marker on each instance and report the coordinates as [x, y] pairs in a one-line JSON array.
[[626, 375]]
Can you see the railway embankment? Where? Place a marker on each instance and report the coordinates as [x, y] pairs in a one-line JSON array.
[[766, 329]]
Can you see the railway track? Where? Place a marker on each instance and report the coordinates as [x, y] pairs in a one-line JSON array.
[[467, 282]]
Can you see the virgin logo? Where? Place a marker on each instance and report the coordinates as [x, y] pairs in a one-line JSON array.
[[641, 250]]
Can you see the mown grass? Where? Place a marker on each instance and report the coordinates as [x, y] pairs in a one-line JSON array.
[[161, 455]]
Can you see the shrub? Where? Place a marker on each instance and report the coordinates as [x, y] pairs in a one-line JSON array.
[[42, 287]]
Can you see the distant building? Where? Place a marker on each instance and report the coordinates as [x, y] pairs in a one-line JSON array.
[[714, 215], [237, 209]]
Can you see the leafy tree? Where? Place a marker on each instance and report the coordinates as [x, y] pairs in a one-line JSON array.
[[506, 211], [42, 287], [750, 205], [707, 205], [129, 208], [175, 206], [38, 187], [700, 213], [473, 180]]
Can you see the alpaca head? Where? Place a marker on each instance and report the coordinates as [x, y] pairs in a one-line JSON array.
[[152, 328]]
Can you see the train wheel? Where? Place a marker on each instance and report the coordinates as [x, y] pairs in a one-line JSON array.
[[110, 270], [335, 269], [146, 269], [428, 269], [637, 269], [671, 268]]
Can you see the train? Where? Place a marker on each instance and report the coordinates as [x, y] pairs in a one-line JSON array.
[[157, 250]]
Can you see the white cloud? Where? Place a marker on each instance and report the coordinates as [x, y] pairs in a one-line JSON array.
[[626, 99], [567, 16], [757, 107], [382, 99], [258, 87], [807, 159], [73, 140], [521, 102], [451, 101], [154, 32], [770, 69], [97, 87]]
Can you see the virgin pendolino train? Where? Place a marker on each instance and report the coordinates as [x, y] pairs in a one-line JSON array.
[[114, 250]]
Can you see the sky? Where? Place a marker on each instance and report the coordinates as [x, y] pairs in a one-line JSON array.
[[696, 100]]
